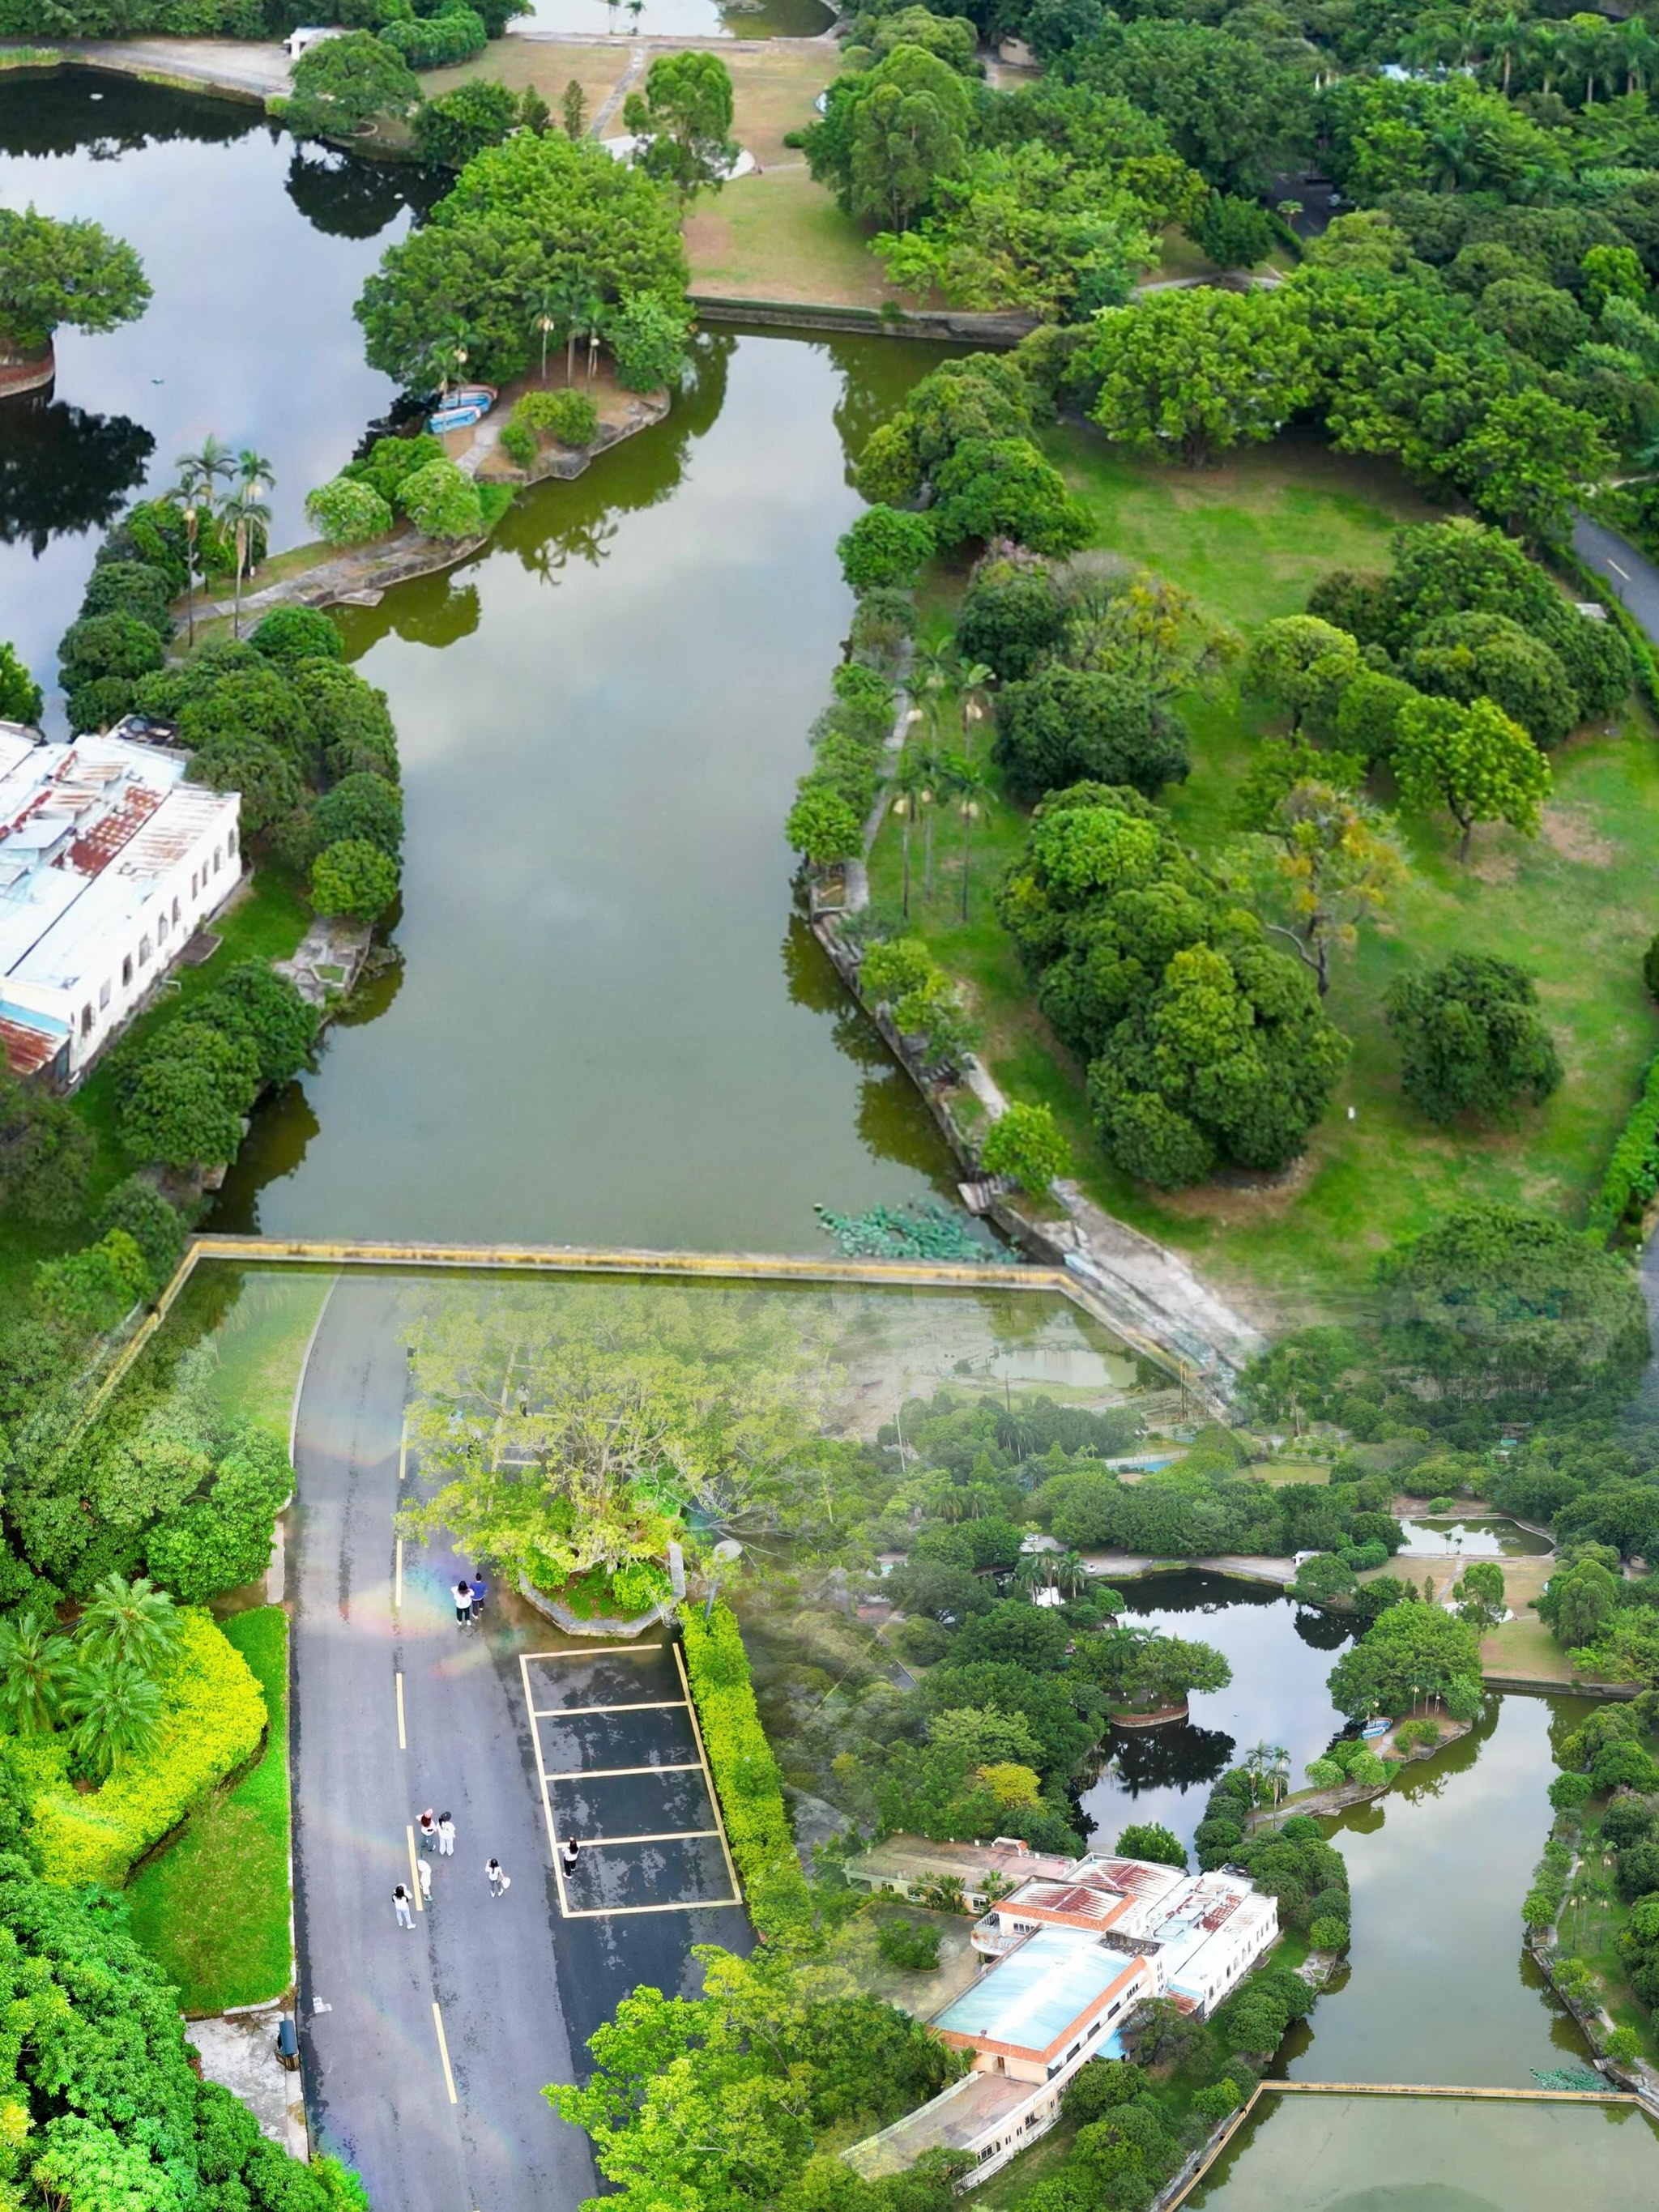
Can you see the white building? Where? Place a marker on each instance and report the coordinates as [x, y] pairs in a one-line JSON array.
[[109, 863], [1075, 1953]]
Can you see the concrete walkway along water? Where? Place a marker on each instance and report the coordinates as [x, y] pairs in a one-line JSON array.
[[426, 2052]]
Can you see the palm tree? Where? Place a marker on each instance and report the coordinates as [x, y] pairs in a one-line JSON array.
[[973, 679], [36, 1665], [116, 1712], [198, 474], [588, 322], [546, 315], [254, 470], [246, 515], [912, 790], [1071, 1576], [130, 1623], [1032, 1572], [973, 794], [1545, 46], [932, 675]]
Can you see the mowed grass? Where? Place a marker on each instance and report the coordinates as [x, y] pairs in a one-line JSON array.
[[214, 1908], [1574, 907], [262, 1341]]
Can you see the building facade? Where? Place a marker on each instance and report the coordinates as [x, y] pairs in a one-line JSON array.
[[109, 864]]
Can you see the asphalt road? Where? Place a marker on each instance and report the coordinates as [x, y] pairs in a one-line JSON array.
[[1634, 579], [519, 1987]]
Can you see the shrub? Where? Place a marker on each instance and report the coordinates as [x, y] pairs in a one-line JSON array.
[[569, 418], [390, 460], [346, 512], [904, 1944], [745, 1773], [130, 588], [212, 1718], [1025, 1143], [223, 1541], [451, 129], [1651, 969], [647, 336], [90, 1292], [885, 546], [353, 880], [438, 42], [821, 826], [365, 807], [1214, 2102], [156, 1227], [442, 501], [291, 633]]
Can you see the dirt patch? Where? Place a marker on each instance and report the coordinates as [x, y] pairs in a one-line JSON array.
[[1568, 831], [1492, 867], [1237, 1200]]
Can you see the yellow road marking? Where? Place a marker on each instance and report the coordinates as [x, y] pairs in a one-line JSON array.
[[398, 1581], [403, 1448], [594, 1650], [403, 1740], [663, 1836], [415, 1871], [443, 2052]]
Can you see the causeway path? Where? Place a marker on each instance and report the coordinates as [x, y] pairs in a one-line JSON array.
[[519, 1988], [1634, 579]]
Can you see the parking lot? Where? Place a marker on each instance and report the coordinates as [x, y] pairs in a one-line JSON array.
[[623, 1775]]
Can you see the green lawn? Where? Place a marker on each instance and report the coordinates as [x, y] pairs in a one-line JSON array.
[[215, 1908], [1575, 907], [262, 1341], [267, 924]]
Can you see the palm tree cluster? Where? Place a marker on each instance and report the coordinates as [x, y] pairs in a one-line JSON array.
[[1056, 1571], [101, 1682], [931, 772], [571, 307], [1268, 1767], [240, 512], [1582, 58]]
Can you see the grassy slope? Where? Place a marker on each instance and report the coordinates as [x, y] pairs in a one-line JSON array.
[[1574, 907], [267, 924], [214, 1908], [262, 1342]]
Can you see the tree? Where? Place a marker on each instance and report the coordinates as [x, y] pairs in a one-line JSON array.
[[1236, 234], [442, 502], [1064, 726], [1304, 666], [19, 695], [343, 86], [183, 1104], [36, 1666], [647, 336], [1580, 1603], [1024, 1143], [909, 123], [248, 519], [269, 1011], [823, 827], [885, 545], [451, 129], [1494, 1298], [522, 218], [199, 478], [971, 790], [46, 1155], [52, 273], [572, 109], [1010, 614], [157, 1228], [1474, 761], [1148, 1840], [1325, 861], [88, 1293], [685, 118], [130, 1624], [1196, 372], [1480, 1594], [1530, 460], [114, 1712], [353, 880], [1409, 1653], [1483, 655], [1470, 1038], [1004, 487], [347, 513]]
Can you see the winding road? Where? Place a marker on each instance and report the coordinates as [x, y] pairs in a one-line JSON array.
[[425, 2053]]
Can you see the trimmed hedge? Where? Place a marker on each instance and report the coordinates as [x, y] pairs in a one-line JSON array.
[[213, 1716], [745, 1772], [1632, 1172]]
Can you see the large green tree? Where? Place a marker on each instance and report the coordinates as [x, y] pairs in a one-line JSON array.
[[1193, 372], [1474, 761], [683, 118], [1470, 1038], [52, 273], [343, 85], [1408, 1654]]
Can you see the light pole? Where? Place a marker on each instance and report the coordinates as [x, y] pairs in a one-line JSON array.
[[728, 1553]]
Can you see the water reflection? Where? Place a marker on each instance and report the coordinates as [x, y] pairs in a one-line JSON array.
[[347, 198], [63, 471], [103, 116]]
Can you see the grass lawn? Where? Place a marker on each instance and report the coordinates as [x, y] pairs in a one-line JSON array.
[[267, 923], [780, 236], [1524, 1648], [262, 1341], [1574, 907], [214, 1908]]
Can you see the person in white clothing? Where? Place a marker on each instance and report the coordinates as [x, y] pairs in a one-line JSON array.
[[445, 1836], [426, 1881], [498, 1880], [403, 1905]]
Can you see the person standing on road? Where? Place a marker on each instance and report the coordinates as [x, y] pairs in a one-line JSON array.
[[480, 1592], [500, 1883], [425, 1871], [445, 1836], [463, 1596], [568, 1852], [403, 1905], [428, 1830]]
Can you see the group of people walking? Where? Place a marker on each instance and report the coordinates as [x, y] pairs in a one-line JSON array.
[[437, 1835], [468, 1601]]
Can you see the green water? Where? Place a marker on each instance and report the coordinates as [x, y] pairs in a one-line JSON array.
[[1400, 2154]]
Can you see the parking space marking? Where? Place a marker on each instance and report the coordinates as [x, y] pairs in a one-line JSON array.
[[583, 1774], [597, 1773]]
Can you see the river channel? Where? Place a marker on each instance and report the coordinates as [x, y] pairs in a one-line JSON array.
[[606, 1023]]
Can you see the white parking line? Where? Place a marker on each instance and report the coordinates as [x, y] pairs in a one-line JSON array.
[[597, 1773], [646, 1705]]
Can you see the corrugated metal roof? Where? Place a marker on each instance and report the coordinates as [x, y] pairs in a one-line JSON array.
[[28, 1050]]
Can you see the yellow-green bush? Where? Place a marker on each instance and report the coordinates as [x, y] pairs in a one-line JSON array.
[[745, 1773], [213, 1716]]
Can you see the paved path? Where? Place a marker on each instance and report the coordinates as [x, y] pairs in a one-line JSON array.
[[230, 65], [519, 1987], [1634, 579]]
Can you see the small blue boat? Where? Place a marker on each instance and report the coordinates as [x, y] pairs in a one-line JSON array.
[[467, 405]]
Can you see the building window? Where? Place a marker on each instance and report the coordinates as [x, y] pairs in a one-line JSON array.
[[103, 995], [161, 929], [230, 842], [126, 969], [175, 910], [215, 860], [86, 1020], [192, 883]]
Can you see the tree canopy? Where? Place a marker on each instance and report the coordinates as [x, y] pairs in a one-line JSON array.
[[52, 273]]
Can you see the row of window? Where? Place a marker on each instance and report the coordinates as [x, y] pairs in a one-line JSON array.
[[198, 884]]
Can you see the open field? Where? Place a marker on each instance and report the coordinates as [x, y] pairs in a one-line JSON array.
[[214, 1907], [262, 1341], [1574, 907]]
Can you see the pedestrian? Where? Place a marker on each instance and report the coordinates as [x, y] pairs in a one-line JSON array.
[[480, 1592], [463, 1596], [445, 1836], [568, 1850], [425, 1871], [499, 1882], [403, 1907], [429, 1828]]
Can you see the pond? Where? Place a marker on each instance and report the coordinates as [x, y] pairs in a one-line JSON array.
[[255, 250], [1395, 2154], [1488, 1536]]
